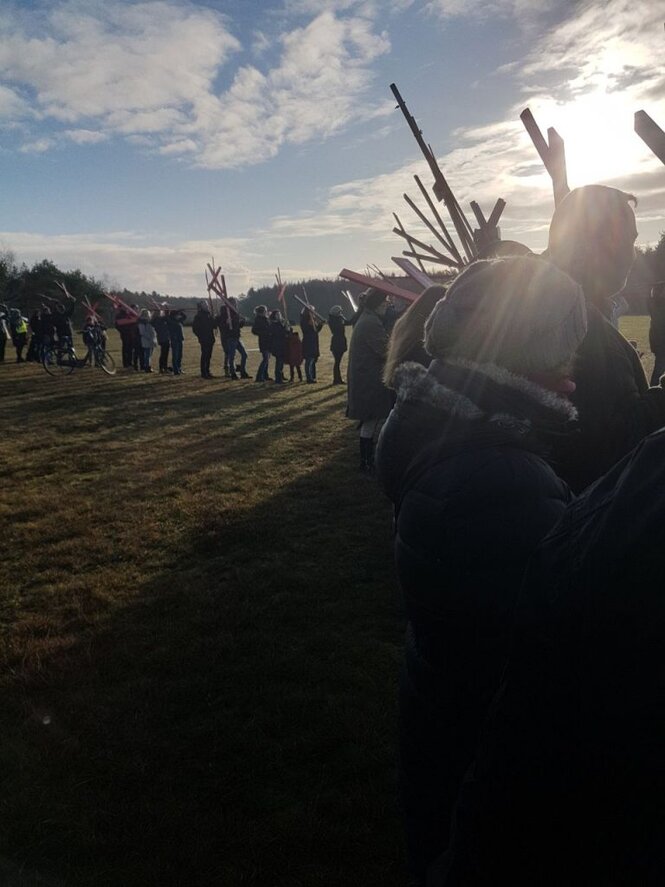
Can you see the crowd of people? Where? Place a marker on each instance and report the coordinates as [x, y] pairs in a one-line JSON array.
[[144, 333], [524, 452]]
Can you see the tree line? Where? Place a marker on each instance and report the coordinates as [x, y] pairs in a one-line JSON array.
[[26, 287]]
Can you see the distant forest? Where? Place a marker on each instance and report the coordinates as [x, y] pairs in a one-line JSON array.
[[26, 287]]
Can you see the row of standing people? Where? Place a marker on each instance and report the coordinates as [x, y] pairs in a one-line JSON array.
[[31, 335], [276, 339], [526, 466]]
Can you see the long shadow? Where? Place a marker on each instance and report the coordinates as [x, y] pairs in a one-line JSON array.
[[234, 724]]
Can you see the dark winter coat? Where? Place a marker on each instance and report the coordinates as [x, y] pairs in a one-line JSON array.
[[230, 323], [62, 322], [261, 328], [338, 344], [569, 784], [161, 325], [657, 326], [203, 327], [617, 409], [277, 339], [310, 338], [368, 396], [461, 456], [174, 325]]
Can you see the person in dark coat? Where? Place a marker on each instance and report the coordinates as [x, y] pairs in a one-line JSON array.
[[463, 457], [203, 327], [161, 325], [569, 781], [261, 329], [369, 401], [175, 321], [407, 338], [311, 327], [35, 345], [592, 237], [278, 344], [657, 330], [338, 345], [230, 324], [126, 325], [62, 323]]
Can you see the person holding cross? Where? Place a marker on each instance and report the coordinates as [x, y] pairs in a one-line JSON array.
[[203, 327], [230, 323], [310, 327]]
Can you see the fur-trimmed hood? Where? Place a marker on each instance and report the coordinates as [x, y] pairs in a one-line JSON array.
[[454, 404]]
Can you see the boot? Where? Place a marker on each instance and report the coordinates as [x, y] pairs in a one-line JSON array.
[[367, 455], [244, 375]]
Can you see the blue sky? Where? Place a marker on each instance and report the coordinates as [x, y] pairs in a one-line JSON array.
[[139, 139]]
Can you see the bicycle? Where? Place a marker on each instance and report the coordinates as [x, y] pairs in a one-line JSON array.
[[59, 359]]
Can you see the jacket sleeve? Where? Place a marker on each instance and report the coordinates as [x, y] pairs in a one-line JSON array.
[[616, 405]]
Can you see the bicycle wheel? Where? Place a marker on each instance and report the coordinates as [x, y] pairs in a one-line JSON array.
[[59, 361], [105, 361]]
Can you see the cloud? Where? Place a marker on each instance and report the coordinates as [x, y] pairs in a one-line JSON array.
[[605, 45], [85, 136], [521, 10], [39, 146], [131, 261], [154, 68]]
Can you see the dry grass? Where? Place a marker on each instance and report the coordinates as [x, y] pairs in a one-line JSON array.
[[199, 634]]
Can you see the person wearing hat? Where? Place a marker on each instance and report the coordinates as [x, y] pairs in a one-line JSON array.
[[203, 327], [338, 344], [592, 238], [369, 401], [463, 456], [147, 338]]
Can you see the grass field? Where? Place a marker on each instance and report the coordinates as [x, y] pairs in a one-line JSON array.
[[199, 634]]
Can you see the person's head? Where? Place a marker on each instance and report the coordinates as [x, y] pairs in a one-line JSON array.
[[233, 300], [60, 308], [260, 311], [522, 314], [592, 238], [336, 311], [203, 306], [409, 330], [276, 316], [375, 301], [145, 314]]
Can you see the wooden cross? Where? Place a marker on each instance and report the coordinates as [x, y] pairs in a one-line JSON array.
[[651, 134], [383, 286], [552, 152]]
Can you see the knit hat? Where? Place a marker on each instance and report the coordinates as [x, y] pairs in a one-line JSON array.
[[520, 313], [373, 298], [336, 310]]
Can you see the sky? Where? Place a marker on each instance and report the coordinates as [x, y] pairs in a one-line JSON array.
[[139, 140]]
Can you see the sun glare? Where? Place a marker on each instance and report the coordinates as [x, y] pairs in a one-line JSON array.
[[598, 132]]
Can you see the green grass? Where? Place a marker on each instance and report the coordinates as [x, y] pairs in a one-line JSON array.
[[198, 634]]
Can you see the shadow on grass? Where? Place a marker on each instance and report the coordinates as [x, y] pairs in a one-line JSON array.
[[234, 724]]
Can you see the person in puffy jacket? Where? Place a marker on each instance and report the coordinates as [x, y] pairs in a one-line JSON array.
[[278, 343], [568, 786], [147, 338], [463, 456], [175, 321]]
